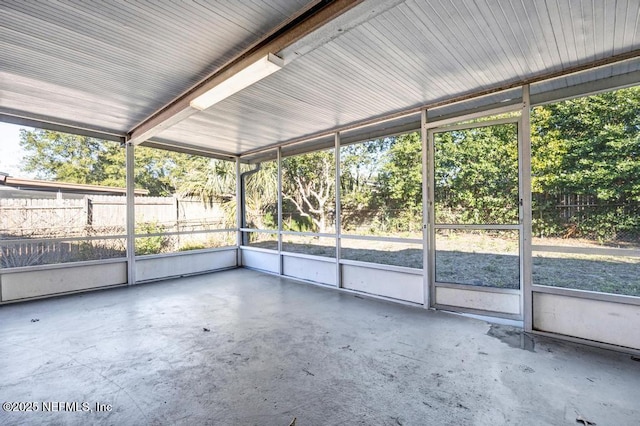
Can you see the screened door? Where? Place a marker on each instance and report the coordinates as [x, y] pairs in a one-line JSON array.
[[475, 217]]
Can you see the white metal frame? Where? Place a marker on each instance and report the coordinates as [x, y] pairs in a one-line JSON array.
[[338, 218], [524, 161], [54, 266], [527, 288], [131, 215], [279, 233], [461, 123], [238, 211], [337, 235], [9, 242], [427, 214]]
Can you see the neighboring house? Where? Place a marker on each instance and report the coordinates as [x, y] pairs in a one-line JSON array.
[[62, 189]]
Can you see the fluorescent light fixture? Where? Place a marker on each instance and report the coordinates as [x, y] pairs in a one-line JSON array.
[[255, 72]]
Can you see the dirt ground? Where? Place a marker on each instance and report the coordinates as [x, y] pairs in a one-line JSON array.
[[486, 260]]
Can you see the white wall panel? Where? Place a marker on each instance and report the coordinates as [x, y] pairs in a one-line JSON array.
[[153, 268], [42, 282], [309, 269], [601, 321], [260, 260], [398, 285], [507, 303]]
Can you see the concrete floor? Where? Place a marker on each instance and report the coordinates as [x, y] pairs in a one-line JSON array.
[[244, 348]]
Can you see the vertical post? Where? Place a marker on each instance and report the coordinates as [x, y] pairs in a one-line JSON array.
[[131, 218], [338, 212], [88, 211], [279, 190], [426, 228], [176, 209], [239, 209], [526, 217]]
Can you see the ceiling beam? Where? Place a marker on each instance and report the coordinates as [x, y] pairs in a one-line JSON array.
[[46, 123], [299, 26], [189, 149], [586, 89]]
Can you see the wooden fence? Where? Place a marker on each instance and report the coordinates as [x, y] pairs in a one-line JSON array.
[[102, 215]]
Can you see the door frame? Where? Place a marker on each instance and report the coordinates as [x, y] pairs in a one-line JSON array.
[[523, 226]]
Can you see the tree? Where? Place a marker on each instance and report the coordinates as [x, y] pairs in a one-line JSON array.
[[81, 159], [593, 142], [400, 182], [70, 158], [476, 175], [309, 185], [261, 197], [360, 166], [211, 180], [586, 149], [214, 181], [589, 148]]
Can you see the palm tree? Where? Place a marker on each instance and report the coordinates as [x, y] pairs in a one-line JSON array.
[[261, 196], [214, 182], [211, 180]]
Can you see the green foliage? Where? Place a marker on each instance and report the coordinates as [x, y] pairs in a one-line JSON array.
[[269, 219], [154, 244], [192, 246], [261, 197], [359, 190], [585, 173], [476, 175], [399, 186], [585, 149], [381, 185], [70, 158], [589, 147], [211, 180], [81, 159], [400, 179], [298, 223], [160, 172]]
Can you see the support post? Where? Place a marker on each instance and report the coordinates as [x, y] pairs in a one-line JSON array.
[[131, 218], [239, 209], [338, 212], [279, 160], [88, 211], [526, 204], [426, 214]]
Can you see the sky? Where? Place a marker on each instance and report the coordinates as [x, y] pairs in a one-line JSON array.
[[10, 151]]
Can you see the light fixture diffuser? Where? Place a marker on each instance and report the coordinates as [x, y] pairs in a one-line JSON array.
[[255, 72]]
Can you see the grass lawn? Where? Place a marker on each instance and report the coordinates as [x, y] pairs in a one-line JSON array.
[[486, 259]]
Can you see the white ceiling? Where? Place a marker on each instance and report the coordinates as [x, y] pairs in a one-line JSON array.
[[107, 66]]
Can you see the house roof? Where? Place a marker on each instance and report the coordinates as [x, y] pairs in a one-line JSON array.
[[69, 188]]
